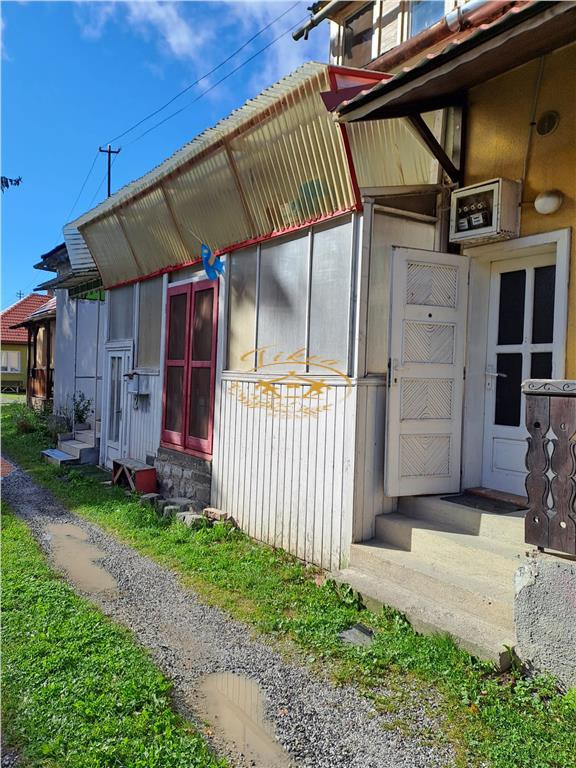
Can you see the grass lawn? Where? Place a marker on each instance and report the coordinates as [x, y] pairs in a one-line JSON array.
[[77, 691], [9, 397], [504, 721]]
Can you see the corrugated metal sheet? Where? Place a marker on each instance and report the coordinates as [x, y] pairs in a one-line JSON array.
[[288, 481], [78, 253], [144, 422]]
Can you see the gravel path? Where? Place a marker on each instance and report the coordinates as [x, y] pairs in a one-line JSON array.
[[320, 726]]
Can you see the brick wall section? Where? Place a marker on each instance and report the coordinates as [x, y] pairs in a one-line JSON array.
[[180, 474]]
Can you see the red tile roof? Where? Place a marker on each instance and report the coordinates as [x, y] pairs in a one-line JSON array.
[[16, 314]]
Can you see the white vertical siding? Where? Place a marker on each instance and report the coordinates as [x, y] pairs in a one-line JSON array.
[[287, 480], [369, 499], [144, 421]]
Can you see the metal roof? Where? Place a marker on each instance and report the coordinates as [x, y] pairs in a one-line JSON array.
[[521, 34]]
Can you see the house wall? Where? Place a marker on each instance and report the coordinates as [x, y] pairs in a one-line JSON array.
[[142, 414], [498, 132], [10, 379], [78, 357]]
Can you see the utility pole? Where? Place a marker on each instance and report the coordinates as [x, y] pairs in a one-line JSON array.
[[109, 151]]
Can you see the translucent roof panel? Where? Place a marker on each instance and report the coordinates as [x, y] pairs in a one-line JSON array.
[[276, 163]]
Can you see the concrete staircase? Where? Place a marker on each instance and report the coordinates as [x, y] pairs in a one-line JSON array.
[[448, 568], [82, 447]]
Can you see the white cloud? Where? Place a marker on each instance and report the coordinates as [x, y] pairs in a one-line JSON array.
[[177, 35], [93, 18]]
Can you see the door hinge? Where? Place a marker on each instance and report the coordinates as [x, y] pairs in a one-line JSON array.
[[389, 372], [464, 373]]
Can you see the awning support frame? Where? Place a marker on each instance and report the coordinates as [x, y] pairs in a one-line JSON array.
[[436, 148]]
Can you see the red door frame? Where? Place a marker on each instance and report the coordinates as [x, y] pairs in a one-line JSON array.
[[182, 440]]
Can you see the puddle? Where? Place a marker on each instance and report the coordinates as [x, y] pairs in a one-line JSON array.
[[73, 554], [233, 705]]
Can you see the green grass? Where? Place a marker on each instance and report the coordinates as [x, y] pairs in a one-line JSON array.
[[77, 691], [11, 397], [504, 721]]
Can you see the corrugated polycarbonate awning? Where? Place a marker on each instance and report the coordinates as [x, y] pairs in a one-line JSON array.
[[71, 280], [277, 163]]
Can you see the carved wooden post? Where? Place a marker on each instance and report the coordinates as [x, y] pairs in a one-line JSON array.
[[551, 463]]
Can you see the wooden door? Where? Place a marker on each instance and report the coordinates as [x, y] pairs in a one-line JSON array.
[[426, 372]]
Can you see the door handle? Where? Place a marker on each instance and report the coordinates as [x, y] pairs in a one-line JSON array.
[[494, 373]]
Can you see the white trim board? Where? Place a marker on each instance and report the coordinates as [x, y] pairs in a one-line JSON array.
[[481, 258]]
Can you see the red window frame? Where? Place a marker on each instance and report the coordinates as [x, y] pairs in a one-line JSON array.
[[183, 440]]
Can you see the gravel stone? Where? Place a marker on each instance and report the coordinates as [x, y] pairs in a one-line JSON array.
[[320, 725]]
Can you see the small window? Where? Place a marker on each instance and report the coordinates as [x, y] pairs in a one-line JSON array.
[[121, 316], [425, 13], [149, 323], [356, 38], [11, 361]]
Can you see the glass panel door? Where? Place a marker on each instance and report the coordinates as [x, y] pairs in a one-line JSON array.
[[520, 346], [202, 368]]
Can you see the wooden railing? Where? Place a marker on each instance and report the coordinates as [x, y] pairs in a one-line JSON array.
[[551, 463]]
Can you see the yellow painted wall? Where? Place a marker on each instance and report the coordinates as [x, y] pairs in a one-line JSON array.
[[8, 378], [498, 128]]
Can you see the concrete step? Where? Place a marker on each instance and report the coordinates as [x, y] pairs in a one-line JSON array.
[[58, 457], [484, 596], [480, 638], [443, 544], [508, 527], [86, 436], [85, 454]]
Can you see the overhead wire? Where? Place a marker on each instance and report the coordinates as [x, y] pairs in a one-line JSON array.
[[217, 83], [205, 75]]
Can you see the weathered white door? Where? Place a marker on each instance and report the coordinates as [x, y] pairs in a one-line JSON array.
[[520, 346], [119, 364], [426, 372]]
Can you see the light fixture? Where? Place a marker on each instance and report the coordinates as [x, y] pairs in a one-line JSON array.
[[549, 201]]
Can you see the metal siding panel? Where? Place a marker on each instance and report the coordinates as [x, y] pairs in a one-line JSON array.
[[283, 478]]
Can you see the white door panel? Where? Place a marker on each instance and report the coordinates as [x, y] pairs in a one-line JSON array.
[[521, 335], [119, 363], [427, 335]]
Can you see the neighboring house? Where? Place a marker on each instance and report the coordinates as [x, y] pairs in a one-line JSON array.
[[40, 327], [356, 363], [14, 344], [78, 346]]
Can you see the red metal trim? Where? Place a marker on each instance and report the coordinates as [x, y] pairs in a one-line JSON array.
[[284, 232], [353, 72], [347, 150], [157, 273], [182, 440], [203, 445]]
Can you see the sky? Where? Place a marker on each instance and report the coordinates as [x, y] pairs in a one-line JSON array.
[[75, 75]]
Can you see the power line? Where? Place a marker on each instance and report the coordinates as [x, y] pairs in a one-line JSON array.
[[102, 180], [82, 187], [218, 82], [204, 76]]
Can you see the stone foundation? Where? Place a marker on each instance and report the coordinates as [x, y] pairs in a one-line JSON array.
[[545, 615], [182, 475]]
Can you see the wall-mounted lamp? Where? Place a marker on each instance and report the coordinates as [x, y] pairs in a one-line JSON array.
[[549, 201]]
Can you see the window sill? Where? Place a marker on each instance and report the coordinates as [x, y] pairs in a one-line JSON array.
[[189, 451]]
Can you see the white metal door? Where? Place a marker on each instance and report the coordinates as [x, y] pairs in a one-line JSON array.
[[119, 364], [426, 372], [520, 346]]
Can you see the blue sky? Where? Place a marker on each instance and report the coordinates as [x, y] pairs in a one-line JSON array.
[[76, 74]]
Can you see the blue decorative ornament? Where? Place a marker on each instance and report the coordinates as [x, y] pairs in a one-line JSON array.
[[212, 264]]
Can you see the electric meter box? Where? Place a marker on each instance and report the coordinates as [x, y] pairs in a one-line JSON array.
[[138, 385], [485, 213]]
